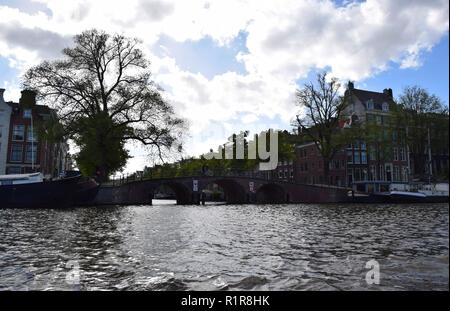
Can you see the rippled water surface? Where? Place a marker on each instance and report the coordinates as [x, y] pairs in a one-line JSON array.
[[225, 247]]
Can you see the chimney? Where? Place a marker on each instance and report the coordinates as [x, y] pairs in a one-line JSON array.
[[28, 98], [351, 86], [1, 95], [388, 93]]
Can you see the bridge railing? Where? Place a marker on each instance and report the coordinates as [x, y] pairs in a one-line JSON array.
[[266, 175]]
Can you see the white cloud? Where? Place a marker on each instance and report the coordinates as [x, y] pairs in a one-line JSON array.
[[12, 91], [285, 40]]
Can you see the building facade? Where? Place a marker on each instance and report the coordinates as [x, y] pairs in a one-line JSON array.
[[23, 152], [381, 158], [5, 115]]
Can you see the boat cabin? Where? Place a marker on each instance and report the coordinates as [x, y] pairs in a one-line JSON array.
[[18, 179]]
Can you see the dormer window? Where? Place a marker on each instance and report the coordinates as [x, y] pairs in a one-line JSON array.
[[369, 104], [385, 107], [27, 113]]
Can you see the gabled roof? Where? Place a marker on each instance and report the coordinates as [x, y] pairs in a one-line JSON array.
[[377, 98]]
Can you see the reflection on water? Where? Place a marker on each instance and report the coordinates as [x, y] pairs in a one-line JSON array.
[[220, 247]]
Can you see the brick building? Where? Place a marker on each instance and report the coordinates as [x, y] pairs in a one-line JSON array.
[[24, 153], [359, 162], [310, 166], [384, 159]]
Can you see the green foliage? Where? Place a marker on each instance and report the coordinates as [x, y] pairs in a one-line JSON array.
[[50, 129], [420, 112], [101, 144], [195, 166], [381, 140]]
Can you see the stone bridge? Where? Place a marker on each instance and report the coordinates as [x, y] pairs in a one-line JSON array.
[[237, 190]]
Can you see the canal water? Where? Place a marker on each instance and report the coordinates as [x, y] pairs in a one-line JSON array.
[[226, 247]]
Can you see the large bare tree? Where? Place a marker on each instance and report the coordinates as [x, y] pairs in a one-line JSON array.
[[104, 97], [321, 110]]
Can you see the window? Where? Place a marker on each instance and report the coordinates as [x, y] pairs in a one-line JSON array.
[[369, 118], [363, 157], [27, 113], [349, 157], [290, 162], [396, 173], [372, 173], [395, 154], [372, 155], [336, 164], [349, 176], [16, 153], [363, 145], [357, 159], [18, 132], [291, 173], [402, 154], [30, 154], [378, 119], [285, 162], [385, 107], [404, 173], [369, 104], [280, 173], [381, 170], [364, 174], [14, 170], [31, 135]]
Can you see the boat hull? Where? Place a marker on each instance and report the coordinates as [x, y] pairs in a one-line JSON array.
[[399, 198], [50, 194], [86, 192]]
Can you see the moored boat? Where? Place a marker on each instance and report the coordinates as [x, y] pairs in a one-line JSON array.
[[405, 193], [85, 192], [32, 191]]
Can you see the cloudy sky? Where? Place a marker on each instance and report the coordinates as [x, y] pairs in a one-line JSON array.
[[231, 65]]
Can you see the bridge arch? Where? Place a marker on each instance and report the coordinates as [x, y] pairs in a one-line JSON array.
[[272, 193], [234, 192], [182, 193]]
